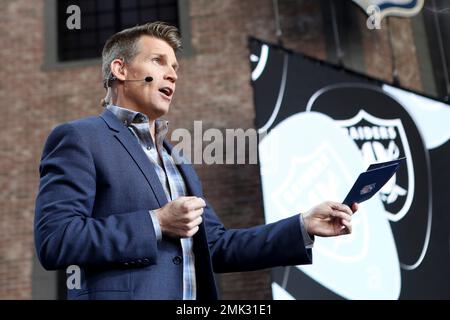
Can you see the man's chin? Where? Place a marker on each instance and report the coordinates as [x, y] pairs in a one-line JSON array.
[[161, 111]]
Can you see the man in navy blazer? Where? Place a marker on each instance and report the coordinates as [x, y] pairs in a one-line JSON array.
[[115, 200]]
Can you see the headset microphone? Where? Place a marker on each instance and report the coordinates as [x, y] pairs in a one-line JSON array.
[[108, 82], [146, 79]]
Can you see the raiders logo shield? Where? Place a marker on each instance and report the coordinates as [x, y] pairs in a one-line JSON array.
[[383, 130], [384, 140]]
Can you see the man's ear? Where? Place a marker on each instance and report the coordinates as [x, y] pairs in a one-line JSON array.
[[118, 69]]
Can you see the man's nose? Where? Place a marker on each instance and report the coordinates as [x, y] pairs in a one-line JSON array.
[[171, 75]]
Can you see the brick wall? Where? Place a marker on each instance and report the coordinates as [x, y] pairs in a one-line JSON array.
[[213, 86]]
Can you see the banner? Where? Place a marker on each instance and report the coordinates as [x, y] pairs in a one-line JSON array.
[[402, 8], [325, 126]]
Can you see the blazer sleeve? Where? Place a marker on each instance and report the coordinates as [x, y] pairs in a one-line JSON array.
[[66, 233], [265, 246]]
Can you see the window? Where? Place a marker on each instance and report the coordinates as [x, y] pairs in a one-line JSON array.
[[99, 19]]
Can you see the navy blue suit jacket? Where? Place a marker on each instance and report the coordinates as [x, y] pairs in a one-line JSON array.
[[92, 210]]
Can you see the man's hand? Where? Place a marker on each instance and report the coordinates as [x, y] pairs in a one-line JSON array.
[[180, 218], [329, 219]]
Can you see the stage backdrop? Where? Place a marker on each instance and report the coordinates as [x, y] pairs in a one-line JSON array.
[[325, 126]]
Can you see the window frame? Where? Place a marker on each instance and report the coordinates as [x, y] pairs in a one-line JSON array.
[[51, 60]]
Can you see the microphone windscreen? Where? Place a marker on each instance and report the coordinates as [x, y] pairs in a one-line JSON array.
[[148, 79]]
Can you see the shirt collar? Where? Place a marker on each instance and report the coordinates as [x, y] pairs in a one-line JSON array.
[[127, 116], [138, 120]]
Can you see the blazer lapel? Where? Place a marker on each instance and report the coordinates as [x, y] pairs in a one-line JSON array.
[[134, 149]]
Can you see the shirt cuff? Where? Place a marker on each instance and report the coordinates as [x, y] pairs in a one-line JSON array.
[[156, 225], [309, 243]]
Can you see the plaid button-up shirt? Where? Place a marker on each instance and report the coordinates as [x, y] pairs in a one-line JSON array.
[[169, 176]]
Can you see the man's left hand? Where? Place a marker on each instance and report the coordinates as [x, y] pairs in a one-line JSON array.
[[329, 219]]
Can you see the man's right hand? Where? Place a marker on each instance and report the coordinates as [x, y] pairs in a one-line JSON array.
[[180, 218]]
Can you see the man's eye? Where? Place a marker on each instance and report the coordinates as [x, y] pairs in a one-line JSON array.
[[156, 59]]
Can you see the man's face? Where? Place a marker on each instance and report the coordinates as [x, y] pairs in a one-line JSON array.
[[157, 59]]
